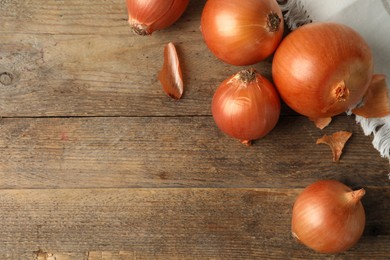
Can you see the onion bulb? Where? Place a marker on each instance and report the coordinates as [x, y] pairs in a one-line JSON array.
[[328, 216], [246, 106], [322, 69], [242, 32], [147, 16]]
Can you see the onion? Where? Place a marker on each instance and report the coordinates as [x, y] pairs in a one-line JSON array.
[[322, 69], [147, 16], [328, 216], [246, 106], [242, 32]]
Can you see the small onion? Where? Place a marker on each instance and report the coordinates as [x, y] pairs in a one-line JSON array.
[[242, 32], [246, 106], [328, 216], [147, 16], [322, 69]]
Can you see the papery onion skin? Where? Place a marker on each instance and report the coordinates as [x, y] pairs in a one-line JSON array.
[[246, 106], [170, 76], [328, 216], [376, 101], [336, 141], [147, 16], [242, 32], [322, 69]]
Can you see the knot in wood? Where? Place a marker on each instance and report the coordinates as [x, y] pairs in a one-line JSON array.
[[6, 78]]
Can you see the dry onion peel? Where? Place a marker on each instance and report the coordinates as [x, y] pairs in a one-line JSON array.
[[170, 76], [321, 122], [336, 141], [376, 102]]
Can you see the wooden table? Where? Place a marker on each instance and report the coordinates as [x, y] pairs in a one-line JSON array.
[[98, 163]]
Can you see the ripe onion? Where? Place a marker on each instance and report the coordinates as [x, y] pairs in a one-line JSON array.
[[242, 32], [246, 106], [322, 69], [328, 216], [147, 16]]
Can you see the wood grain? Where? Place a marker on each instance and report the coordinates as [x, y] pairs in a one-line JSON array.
[[70, 17], [170, 223], [176, 152], [98, 72], [96, 162]]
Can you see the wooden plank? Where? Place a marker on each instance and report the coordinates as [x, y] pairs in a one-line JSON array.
[[171, 224], [101, 72], [110, 75], [76, 17], [177, 152]]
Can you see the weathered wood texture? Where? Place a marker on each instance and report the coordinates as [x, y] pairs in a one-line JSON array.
[[96, 162], [65, 63], [171, 223], [176, 152]]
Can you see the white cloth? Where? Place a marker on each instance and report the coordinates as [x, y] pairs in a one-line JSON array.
[[371, 18]]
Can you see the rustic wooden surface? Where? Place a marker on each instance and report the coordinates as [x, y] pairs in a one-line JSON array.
[[96, 162]]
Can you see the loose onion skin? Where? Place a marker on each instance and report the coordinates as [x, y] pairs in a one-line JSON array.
[[322, 69], [170, 75], [328, 216], [242, 32], [147, 16], [246, 106]]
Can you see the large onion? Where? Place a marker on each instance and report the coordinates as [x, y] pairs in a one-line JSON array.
[[328, 216], [322, 69], [147, 16], [242, 32], [246, 106]]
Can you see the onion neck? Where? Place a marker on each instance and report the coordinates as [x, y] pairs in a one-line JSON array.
[[273, 22], [353, 197]]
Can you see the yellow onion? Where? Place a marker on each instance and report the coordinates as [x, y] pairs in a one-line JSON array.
[[246, 106], [328, 216], [322, 69], [147, 16], [242, 32]]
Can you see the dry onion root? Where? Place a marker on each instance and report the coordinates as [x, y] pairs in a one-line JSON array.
[[336, 141]]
